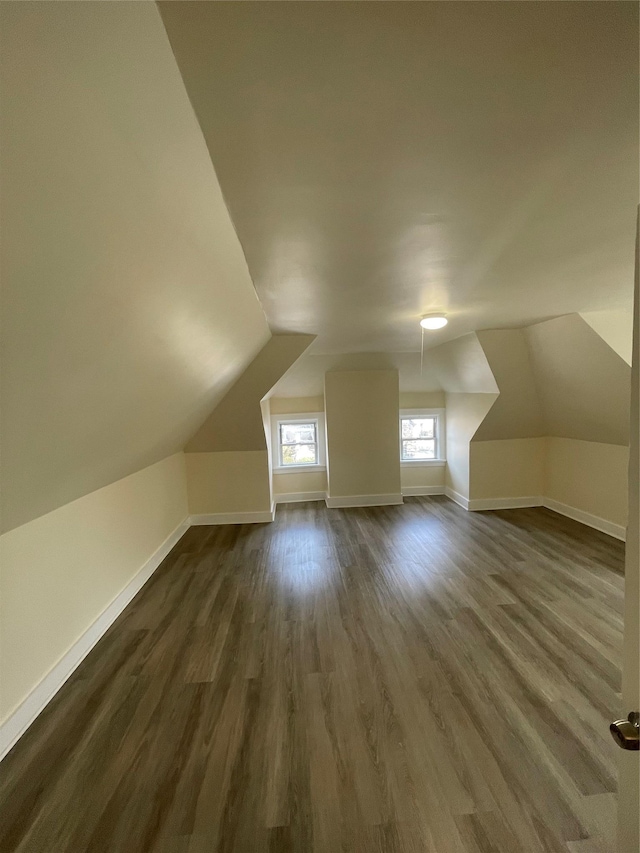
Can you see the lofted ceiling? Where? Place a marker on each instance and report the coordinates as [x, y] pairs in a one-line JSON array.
[[383, 160]]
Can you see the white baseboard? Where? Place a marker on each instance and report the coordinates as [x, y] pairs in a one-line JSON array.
[[601, 524], [457, 497], [16, 725], [415, 491], [344, 501], [477, 504], [298, 497], [234, 517]]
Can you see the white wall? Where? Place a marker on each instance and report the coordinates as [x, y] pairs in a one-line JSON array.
[[61, 571]]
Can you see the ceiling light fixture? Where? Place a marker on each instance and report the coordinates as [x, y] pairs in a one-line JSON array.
[[433, 321], [430, 322]]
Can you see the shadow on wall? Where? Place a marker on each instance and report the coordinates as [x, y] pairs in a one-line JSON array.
[[558, 426], [228, 459]]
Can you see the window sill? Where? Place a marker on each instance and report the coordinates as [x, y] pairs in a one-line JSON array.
[[423, 463], [298, 469]]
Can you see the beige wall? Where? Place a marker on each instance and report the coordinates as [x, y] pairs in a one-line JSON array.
[[61, 571], [588, 476], [510, 468], [316, 481], [296, 405], [231, 481], [422, 399], [299, 481], [362, 432], [585, 475], [127, 305], [422, 476], [465, 413]]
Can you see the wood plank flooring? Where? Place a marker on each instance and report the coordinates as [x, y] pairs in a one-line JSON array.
[[412, 678]]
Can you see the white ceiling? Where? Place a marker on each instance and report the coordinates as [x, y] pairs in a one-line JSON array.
[[381, 160], [306, 377]]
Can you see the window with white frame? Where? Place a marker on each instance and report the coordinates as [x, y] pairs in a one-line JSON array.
[[298, 441], [421, 436]]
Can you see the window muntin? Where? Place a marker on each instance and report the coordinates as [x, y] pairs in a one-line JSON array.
[[418, 438], [422, 436], [297, 440], [298, 443]]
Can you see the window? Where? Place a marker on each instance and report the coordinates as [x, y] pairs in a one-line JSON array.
[[418, 438], [298, 441], [421, 437]]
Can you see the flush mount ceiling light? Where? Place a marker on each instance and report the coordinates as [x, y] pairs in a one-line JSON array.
[[430, 322], [433, 321]]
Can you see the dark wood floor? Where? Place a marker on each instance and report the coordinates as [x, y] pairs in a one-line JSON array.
[[412, 678]]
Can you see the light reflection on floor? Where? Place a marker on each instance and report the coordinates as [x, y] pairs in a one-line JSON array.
[[303, 563], [303, 559]]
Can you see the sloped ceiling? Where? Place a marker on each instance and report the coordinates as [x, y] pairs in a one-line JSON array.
[[556, 378], [458, 366], [382, 160], [128, 309], [583, 385], [379, 160], [517, 412], [461, 367], [306, 377], [237, 422], [615, 328]]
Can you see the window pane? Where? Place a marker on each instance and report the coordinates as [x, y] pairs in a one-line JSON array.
[[419, 449], [299, 454], [294, 433], [418, 427]]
